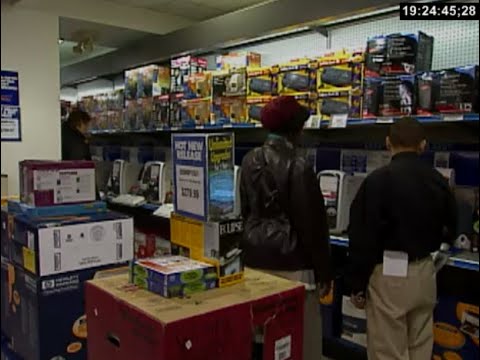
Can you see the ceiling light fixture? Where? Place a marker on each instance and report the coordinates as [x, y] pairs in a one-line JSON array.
[[60, 41]]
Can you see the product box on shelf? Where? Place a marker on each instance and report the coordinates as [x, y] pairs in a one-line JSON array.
[[260, 82], [139, 82], [354, 323], [161, 81], [217, 243], [161, 111], [181, 68], [297, 76], [176, 113], [229, 83], [18, 208], [254, 107], [229, 110], [400, 53], [340, 71], [173, 276], [454, 90], [203, 175], [455, 329], [341, 103], [425, 93], [198, 86], [240, 59], [45, 317], [115, 119], [46, 183], [218, 322], [196, 111], [148, 244], [8, 228], [398, 96], [55, 245], [371, 97]]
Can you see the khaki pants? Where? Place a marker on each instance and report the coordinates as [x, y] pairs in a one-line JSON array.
[[400, 313], [312, 321]]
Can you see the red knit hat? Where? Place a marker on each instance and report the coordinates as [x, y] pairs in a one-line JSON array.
[[284, 114]]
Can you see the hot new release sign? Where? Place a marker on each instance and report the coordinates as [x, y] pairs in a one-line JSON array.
[[11, 130]]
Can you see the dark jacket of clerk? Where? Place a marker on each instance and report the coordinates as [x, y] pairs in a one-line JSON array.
[[286, 231], [402, 213], [74, 141]]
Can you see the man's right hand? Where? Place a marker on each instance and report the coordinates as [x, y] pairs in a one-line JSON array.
[[325, 288], [358, 300]]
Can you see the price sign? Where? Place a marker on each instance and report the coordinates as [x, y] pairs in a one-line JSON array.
[[453, 117], [339, 121], [385, 120], [190, 185]]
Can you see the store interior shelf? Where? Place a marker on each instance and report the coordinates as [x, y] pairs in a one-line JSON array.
[[324, 124], [462, 260]]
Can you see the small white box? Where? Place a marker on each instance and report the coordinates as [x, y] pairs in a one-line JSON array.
[[354, 323]]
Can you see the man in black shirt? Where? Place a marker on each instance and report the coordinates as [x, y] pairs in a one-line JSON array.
[[402, 213]]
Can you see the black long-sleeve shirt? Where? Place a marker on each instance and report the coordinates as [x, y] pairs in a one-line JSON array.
[[405, 206]]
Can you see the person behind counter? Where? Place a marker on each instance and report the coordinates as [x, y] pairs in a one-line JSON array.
[[74, 140], [286, 231]]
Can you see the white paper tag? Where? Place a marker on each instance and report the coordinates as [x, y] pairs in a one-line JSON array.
[[339, 121], [385, 120], [395, 263], [283, 348], [453, 117]]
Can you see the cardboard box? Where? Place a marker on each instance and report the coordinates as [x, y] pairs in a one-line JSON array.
[[198, 86], [254, 108], [149, 245], [173, 276], [371, 97], [297, 76], [340, 71], [18, 208], [341, 103], [203, 175], [217, 243], [45, 317], [354, 323], [456, 329], [196, 112], [235, 60], [230, 110], [216, 324], [398, 96], [229, 83], [161, 111], [260, 82], [47, 246], [47, 183], [181, 68]]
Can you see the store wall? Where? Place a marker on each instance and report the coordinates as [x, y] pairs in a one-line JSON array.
[[29, 46]]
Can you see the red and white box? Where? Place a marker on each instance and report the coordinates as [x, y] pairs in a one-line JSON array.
[[47, 183], [125, 322]]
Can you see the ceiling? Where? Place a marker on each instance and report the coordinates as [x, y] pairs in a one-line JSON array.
[[69, 57]]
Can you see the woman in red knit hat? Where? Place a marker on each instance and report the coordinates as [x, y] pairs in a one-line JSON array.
[[286, 230]]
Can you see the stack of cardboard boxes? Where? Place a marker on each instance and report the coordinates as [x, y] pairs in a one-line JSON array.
[[53, 241]]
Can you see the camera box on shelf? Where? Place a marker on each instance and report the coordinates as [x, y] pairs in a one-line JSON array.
[[235, 60], [44, 317], [354, 323], [254, 107], [260, 82], [456, 90], [203, 175], [425, 93], [217, 243], [55, 245], [229, 110], [196, 111], [198, 86], [398, 96], [215, 324], [340, 71], [173, 276], [400, 53], [46, 183], [297, 76], [181, 68], [229, 83], [455, 329]]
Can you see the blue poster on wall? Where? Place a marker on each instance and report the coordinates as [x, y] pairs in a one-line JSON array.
[[11, 129]]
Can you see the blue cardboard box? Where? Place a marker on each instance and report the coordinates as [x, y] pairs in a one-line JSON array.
[[45, 315], [173, 276], [16, 207], [203, 175], [54, 245]]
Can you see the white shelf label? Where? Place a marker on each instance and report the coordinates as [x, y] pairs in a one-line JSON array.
[[339, 121], [453, 117], [385, 120]]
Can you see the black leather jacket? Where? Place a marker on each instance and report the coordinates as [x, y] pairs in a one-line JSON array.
[[283, 208]]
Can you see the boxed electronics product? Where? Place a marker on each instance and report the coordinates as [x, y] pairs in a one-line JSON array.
[[144, 115], [181, 68], [217, 243], [139, 82], [425, 93], [216, 324], [161, 81], [400, 53], [398, 96], [240, 59], [454, 90], [371, 97], [176, 114], [354, 323], [45, 317], [173, 276], [46, 183], [203, 175], [55, 245], [161, 111], [260, 82], [8, 228], [149, 244], [330, 104], [198, 86], [229, 110], [340, 71], [196, 112], [18, 208], [254, 107], [115, 119], [297, 76], [229, 83], [456, 329]]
